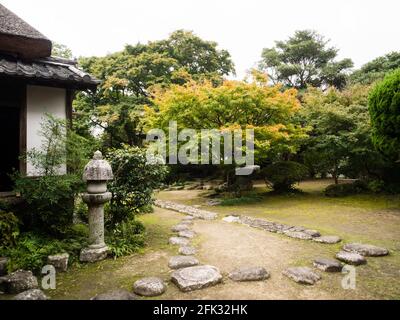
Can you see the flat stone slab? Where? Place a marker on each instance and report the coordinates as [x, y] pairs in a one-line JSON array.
[[231, 219], [196, 278], [189, 210], [32, 294], [366, 250], [149, 287], [186, 222], [187, 251], [351, 258], [249, 274], [18, 281], [328, 265], [180, 227], [187, 234], [188, 218], [178, 241], [303, 275], [328, 239], [119, 294], [312, 233], [179, 262], [298, 235]]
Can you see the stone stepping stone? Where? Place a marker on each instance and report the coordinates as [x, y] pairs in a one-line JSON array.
[[186, 222], [119, 294], [179, 262], [187, 251], [303, 275], [351, 258], [328, 239], [32, 294], [18, 281], [196, 278], [180, 227], [312, 233], [249, 274], [366, 250], [149, 287], [187, 234], [178, 241], [188, 218], [231, 219], [298, 235], [328, 265]]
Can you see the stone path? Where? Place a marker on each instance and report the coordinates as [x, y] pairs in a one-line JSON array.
[[181, 208]]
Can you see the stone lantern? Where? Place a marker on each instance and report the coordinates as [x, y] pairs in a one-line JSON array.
[[96, 174]]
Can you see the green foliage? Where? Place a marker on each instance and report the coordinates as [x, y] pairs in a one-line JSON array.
[[376, 69], [125, 238], [61, 50], [128, 76], [133, 184], [9, 229], [342, 190], [50, 197], [305, 60], [283, 175], [32, 249], [384, 108]]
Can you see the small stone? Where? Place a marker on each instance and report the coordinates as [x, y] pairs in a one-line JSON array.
[[187, 251], [149, 287], [93, 254], [32, 294], [116, 295], [59, 261], [187, 234], [249, 274], [328, 239], [188, 218], [196, 278], [186, 222], [351, 258], [231, 219], [303, 275], [18, 281], [328, 265], [3, 266], [366, 250], [298, 235], [312, 233], [179, 262], [179, 241], [180, 227]]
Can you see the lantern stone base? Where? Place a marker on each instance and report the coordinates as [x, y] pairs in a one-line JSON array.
[[93, 254]]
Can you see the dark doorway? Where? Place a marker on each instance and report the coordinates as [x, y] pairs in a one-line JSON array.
[[9, 133]]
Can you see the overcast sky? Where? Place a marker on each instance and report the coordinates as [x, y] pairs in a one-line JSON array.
[[361, 29]]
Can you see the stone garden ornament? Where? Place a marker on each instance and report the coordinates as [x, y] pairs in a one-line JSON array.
[[96, 174]]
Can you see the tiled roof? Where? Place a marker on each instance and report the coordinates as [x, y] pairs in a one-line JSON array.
[[56, 70]]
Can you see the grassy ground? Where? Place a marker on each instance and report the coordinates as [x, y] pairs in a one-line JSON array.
[[365, 218]]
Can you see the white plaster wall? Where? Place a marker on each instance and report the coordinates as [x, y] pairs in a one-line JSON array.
[[42, 100]]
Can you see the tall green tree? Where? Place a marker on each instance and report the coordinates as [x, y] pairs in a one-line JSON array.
[[376, 69], [305, 59]]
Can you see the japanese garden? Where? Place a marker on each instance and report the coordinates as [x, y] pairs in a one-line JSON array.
[[91, 210]]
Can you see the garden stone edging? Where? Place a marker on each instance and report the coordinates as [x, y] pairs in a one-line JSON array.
[[181, 208]]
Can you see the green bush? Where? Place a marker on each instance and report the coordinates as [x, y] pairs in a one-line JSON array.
[[342, 190], [284, 174], [384, 108], [9, 229], [125, 238], [32, 249], [133, 184]]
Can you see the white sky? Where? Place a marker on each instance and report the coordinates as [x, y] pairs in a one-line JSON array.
[[361, 29]]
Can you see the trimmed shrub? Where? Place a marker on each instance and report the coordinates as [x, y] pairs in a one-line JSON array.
[[342, 190], [384, 109], [284, 174]]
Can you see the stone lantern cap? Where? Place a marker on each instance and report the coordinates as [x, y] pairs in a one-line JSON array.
[[98, 169]]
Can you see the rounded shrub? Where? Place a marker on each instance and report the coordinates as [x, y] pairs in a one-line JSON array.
[[384, 109], [284, 174], [345, 189]]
